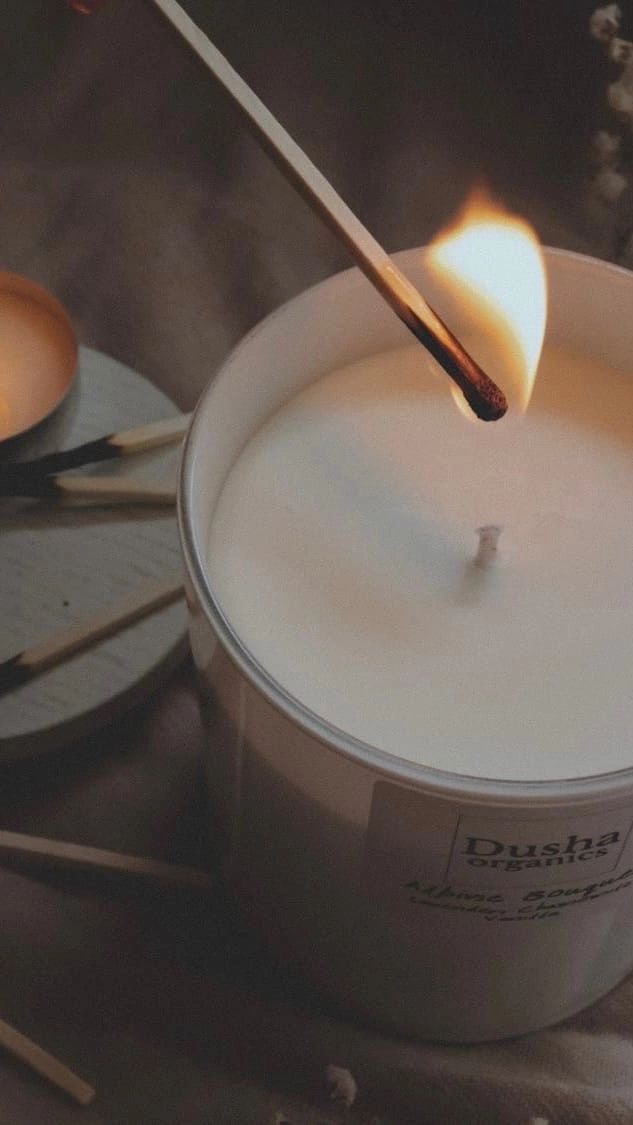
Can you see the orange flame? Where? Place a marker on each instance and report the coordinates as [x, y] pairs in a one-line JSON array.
[[490, 267]]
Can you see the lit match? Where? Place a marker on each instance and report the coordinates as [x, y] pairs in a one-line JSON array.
[[483, 396]]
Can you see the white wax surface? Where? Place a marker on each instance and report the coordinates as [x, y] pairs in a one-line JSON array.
[[341, 551]]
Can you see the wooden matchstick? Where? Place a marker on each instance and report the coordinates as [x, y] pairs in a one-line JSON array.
[[483, 396], [106, 448], [32, 661], [40, 852], [45, 1064], [125, 490]]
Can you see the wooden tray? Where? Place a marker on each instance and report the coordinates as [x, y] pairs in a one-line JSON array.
[[59, 564]]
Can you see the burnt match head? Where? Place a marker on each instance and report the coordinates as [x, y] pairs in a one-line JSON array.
[[487, 400], [484, 397]]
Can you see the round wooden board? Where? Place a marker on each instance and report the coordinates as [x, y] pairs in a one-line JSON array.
[[61, 563]]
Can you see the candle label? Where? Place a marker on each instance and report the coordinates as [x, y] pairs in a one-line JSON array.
[[425, 851]]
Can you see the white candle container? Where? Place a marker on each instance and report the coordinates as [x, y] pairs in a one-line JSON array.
[[355, 865]]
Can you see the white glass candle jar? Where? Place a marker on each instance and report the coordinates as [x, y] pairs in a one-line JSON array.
[[419, 887]]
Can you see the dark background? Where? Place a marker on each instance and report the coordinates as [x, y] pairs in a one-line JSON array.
[[130, 188]]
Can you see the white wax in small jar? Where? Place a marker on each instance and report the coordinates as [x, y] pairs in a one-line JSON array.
[[342, 552], [38, 356]]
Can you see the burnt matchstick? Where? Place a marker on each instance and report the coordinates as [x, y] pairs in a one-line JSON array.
[[25, 665], [483, 396], [106, 489], [107, 448]]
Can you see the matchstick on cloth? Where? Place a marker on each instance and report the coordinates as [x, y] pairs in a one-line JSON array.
[[41, 853], [484, 397], [44, 1064]]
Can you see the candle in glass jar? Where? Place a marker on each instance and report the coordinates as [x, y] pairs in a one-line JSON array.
[[342, 552], [331, 501], [449, 592]]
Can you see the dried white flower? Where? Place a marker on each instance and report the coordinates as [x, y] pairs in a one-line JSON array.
[[620, 93], [605, 22], [620, 50], [610, 184], [620, 96], [342, 1084], [605, 148]]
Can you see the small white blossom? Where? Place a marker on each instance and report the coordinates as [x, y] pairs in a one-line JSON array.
[[610, 184], [605, 22], [620, 96], [620, 50], [605, 148], [342, 1084]]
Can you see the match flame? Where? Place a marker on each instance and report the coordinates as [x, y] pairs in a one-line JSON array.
[[491, 265]]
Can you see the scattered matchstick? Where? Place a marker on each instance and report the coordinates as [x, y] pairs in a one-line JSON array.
[[38, 658], [45, 1064], [110, 489], [484, 397], [39, 852], [106, 448]]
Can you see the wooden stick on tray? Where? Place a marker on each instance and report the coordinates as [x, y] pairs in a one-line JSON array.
[[23, 666], [110, 489], [108, 448]]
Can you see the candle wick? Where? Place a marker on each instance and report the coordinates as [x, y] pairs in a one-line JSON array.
[[488, 542]]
